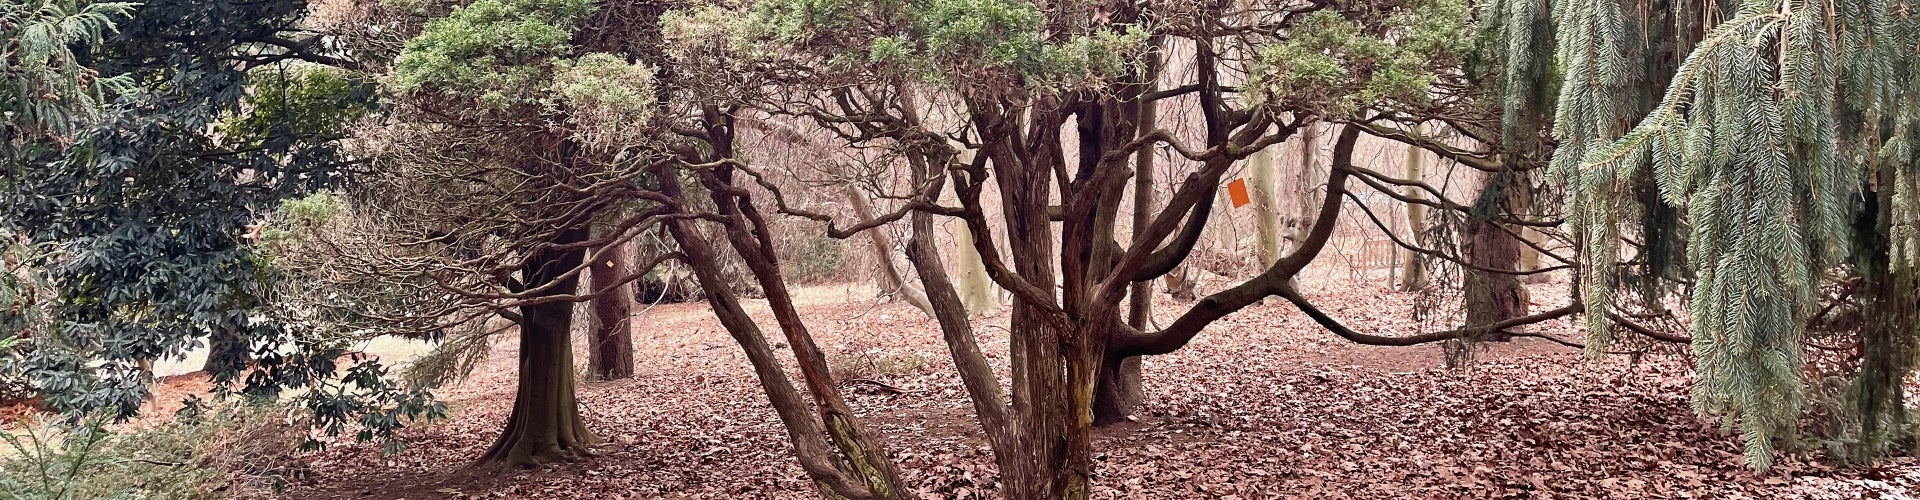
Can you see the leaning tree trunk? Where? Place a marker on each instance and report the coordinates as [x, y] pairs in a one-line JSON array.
[[830, 470], [545, 424], [976, 373], [610, 327], [883, 252]]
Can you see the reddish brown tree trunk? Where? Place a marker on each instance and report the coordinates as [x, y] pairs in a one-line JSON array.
[[857, 465], [1492, 296], [1119, 390], [545, 424], [610, 327]]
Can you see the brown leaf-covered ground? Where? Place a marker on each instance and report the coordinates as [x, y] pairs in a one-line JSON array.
[[1263, 405]]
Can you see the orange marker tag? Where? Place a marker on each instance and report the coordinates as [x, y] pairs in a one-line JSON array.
[[1237, 191]]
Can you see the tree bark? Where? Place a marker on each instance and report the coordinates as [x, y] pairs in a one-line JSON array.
[[1266, 210], [1490, 296], [545, 424], [974, 287], [610, 327], [227, 353], [1305, 202], [1413, 272], [883, 253], [1120, 388], [1495, 296], [1034, 342]]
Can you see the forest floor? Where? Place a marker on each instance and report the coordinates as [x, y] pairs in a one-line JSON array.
[[1263, 405]]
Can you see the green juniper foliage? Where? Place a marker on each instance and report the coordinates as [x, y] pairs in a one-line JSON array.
[[952, 43], [1341, 62]]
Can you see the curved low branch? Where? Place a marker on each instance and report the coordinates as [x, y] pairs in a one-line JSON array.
[[1442, 255], [1649, 332], [1268, 283], [1373, 179], [1343, 331], [1474, 160]]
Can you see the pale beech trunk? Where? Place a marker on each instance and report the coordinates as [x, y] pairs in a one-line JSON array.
[[1413, 271], [1306, 200], [1266, 211], [1530, 257], [973, 285], [1181, 287]]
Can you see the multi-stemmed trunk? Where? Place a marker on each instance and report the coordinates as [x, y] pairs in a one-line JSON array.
[[545, 424], [837, 452]]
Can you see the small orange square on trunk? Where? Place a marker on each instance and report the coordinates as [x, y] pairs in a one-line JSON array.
[[1237, 191]]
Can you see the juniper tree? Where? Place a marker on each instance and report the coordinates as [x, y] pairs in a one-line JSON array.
[[1013, 84], [518, 156]]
